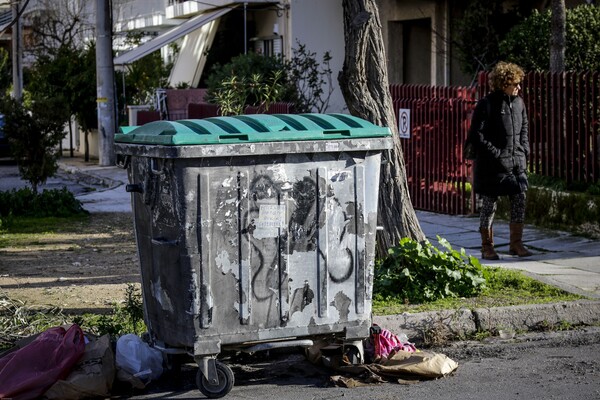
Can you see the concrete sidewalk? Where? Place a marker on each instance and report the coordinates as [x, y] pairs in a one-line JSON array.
[[559, 258]]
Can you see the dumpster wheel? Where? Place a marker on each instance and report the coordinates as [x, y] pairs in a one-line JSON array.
[[220, 389]]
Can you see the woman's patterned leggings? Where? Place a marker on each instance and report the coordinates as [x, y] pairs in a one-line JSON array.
[[490, 203]]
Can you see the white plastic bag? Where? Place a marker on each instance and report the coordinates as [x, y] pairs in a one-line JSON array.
[[137, 358]]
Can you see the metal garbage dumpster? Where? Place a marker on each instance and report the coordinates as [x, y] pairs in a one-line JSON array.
[[253, 231]]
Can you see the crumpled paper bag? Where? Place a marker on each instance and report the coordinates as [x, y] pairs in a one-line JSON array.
[[92, 376]]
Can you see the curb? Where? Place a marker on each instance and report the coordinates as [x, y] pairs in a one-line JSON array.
[[444, 325], [88, 178]]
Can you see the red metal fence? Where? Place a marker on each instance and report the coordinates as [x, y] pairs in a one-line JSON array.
[[564, 135], [438, 178], [564, 124]]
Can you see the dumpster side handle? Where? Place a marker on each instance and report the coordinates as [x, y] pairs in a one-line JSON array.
[[156, 166], [164, 242], [123, 161], [134, 188]]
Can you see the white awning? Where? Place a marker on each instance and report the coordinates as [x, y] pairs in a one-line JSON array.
[[190, 61], [170, 36]]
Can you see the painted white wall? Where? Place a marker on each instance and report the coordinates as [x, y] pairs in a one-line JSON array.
[[319, 25], [79, 143]]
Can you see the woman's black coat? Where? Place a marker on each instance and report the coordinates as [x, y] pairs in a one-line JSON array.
[[499, 132]]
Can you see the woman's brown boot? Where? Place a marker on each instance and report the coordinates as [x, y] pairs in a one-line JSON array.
[[516, 247], [487, 244]]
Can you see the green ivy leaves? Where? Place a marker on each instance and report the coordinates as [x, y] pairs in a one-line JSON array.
[[420, 272]]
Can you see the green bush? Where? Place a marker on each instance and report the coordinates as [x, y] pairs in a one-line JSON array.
[[528, 43], [310, 78], [561, 185], [244, 81], [34, 132], [49, 203], [419, 272], [124, 318], [477, 33], [256, 80]]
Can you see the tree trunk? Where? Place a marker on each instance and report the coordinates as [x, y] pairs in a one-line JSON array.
[[558, 36], [70, 137], [557, 53], [364, 84], [86, 150]]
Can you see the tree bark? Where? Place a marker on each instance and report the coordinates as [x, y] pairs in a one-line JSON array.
[[558, 36], [364, 84]]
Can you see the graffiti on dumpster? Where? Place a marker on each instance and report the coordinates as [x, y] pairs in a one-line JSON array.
[[267, 216], [303, 220], [315, 214]]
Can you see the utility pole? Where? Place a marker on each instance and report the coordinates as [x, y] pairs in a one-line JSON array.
[[105, 83], [17, 53]]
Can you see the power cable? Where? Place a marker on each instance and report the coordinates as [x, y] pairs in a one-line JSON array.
[[19, 13]]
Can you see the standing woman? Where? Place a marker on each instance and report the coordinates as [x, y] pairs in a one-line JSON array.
[[499, 133]]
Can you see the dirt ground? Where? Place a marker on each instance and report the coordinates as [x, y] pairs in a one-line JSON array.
[[83, 267]]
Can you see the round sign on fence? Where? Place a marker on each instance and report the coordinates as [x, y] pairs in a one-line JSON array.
[[404, 123]]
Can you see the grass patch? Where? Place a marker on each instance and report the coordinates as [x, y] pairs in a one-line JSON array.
[[125, 318], [24, 231], [33, 225], [19, 320], [504, 288]]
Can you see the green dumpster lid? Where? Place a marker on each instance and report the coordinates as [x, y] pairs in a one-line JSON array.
[[251, 129]]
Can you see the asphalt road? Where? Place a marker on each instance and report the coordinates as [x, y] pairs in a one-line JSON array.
[[553, 365]]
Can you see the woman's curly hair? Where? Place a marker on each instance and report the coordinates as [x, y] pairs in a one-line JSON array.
[[505, 74]]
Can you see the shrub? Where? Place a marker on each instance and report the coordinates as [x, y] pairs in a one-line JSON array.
[[235, 93], [249, 79], [528, 43], [310, 79], [124, 318], [34, 133], [480, 29], [49, 203], [419, 272], [256, 80]]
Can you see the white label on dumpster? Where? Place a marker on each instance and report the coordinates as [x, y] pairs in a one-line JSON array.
[[271, 217]]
